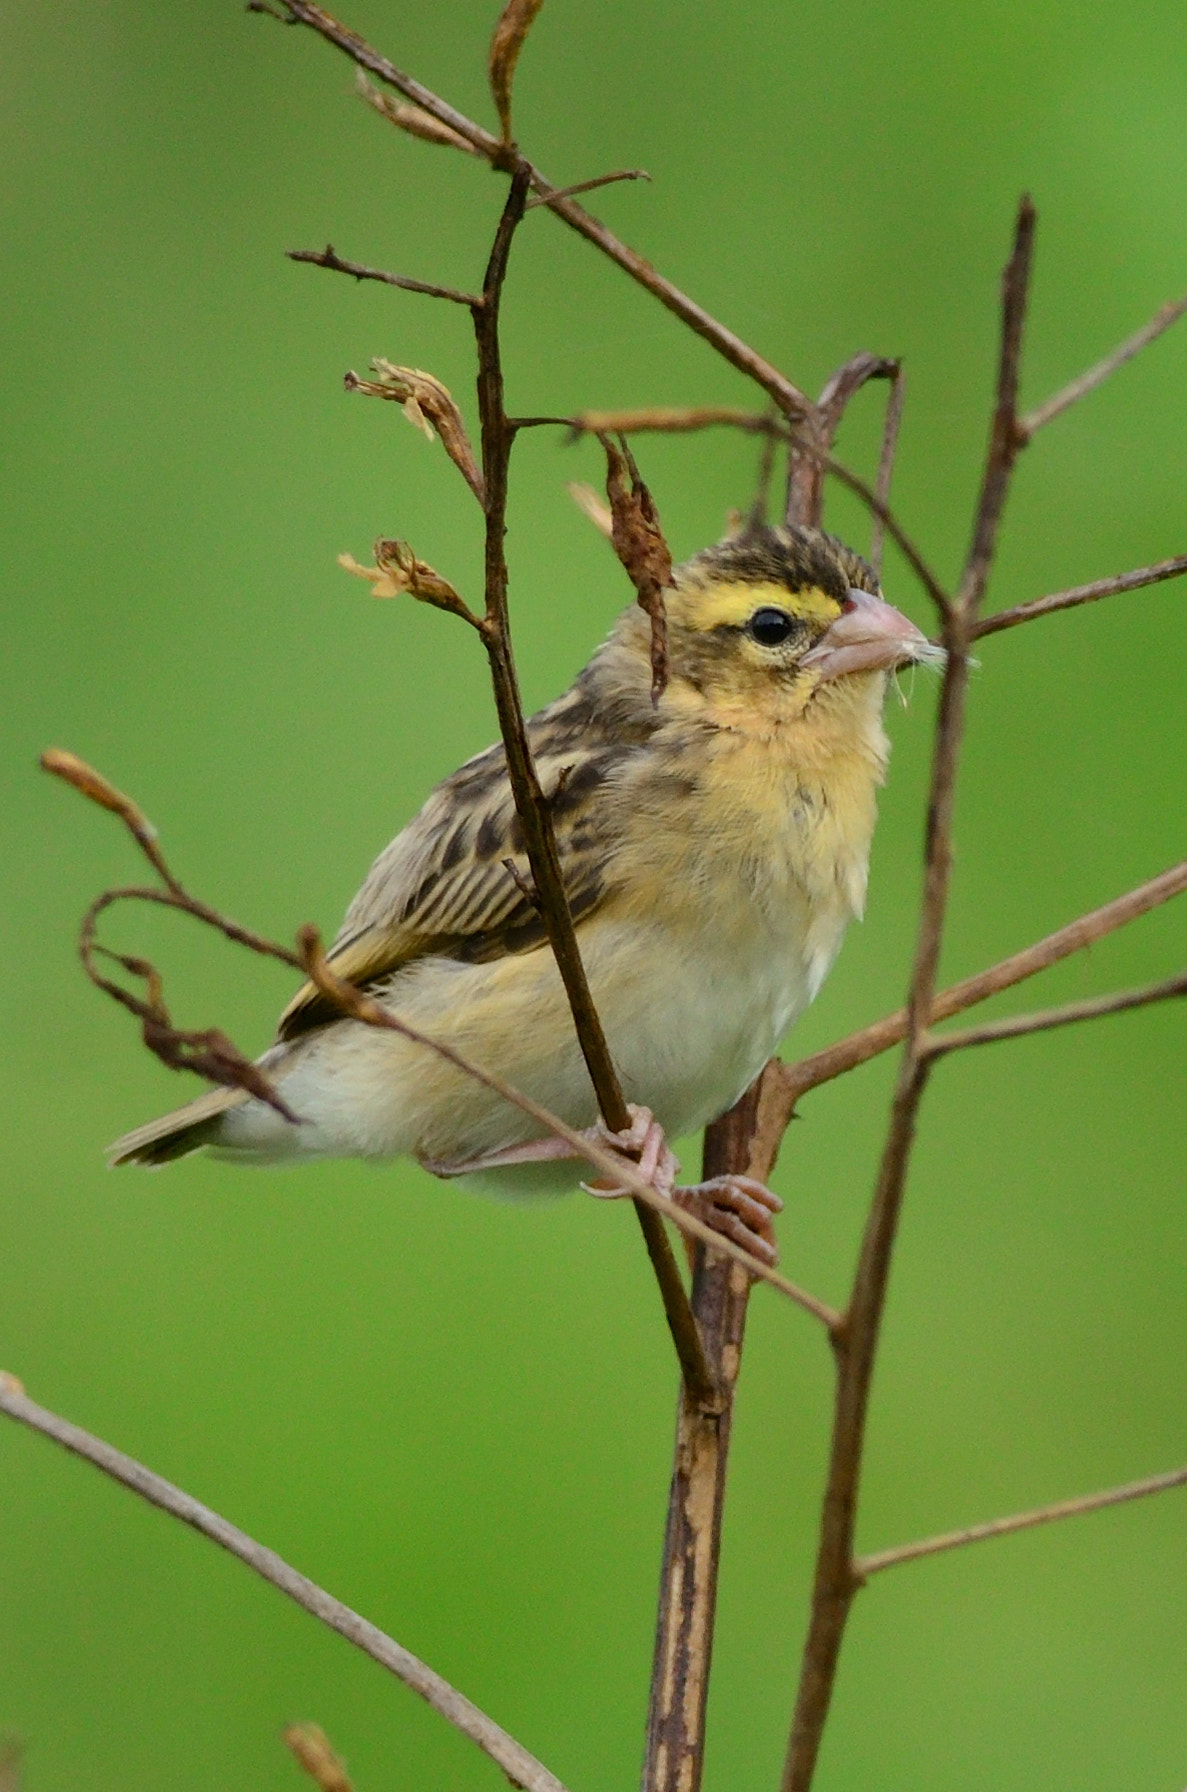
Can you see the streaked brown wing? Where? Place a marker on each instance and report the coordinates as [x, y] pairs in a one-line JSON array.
[[443, 887]]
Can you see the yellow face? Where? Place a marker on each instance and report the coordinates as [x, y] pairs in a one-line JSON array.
[[741, 642]]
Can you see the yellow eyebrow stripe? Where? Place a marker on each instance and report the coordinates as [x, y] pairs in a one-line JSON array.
[[723, 605]]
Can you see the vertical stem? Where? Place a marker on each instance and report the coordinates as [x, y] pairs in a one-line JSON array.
[[674, 1758], [530, 802], [855, 1339]]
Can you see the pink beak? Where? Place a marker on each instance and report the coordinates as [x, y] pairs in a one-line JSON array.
[[870, 636]]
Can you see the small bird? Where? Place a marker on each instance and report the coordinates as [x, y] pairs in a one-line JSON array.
[[714, 844]]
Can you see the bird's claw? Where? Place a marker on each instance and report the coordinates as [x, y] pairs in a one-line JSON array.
[[646, 1149], [738, 1207]]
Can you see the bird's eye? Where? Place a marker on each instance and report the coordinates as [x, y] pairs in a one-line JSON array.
[[770, 627]]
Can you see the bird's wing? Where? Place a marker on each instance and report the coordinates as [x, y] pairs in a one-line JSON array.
[[443, 886]]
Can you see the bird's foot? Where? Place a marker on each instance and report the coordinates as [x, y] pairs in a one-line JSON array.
[[644, 1147], [738, 1207]]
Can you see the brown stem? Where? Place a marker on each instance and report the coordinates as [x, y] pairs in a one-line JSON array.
[[807, 463], [856, 1338], [521, 1767], [530, 801], [789, 398], [363, 1007], [1019, 1521], [674, 1757], [328, 258], [890, 433], [1082, 594], [786, 1083], [938, 1045], [589, 186], [1096, 376]]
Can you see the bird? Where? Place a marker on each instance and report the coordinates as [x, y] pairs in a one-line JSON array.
[[714, 842]]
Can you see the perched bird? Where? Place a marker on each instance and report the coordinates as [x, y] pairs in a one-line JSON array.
[[714, 845]]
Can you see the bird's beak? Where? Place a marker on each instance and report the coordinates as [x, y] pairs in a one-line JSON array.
[[870, 636]]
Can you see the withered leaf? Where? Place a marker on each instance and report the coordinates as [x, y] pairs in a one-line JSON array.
[[515, 22], [426, 403], [639, 543]]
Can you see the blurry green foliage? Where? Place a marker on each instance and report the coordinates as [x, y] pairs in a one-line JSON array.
[[457, 1415]]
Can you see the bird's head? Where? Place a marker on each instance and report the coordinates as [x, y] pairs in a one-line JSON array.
[[770, 618]]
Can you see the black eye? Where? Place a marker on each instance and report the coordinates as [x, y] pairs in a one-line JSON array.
[[771, 627]]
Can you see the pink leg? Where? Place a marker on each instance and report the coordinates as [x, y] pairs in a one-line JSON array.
[[738, 1207]]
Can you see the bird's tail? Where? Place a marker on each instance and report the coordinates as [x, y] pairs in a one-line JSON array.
[[177, 1134]]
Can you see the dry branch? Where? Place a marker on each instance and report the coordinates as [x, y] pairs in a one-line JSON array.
[[1096, 376], [1081, 594], [522, 1768], [856, 1339], [329, 258], [1019, 1521]]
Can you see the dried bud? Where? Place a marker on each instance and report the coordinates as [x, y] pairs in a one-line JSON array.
[[398, 571], [413, 119], [311, 1747], [639, 543], [593, 505], [515, 22], [425, 402]]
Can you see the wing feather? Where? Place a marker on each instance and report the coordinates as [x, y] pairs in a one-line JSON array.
[[443, 887]]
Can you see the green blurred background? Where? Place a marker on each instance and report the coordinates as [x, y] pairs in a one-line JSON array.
[[457, 1415]]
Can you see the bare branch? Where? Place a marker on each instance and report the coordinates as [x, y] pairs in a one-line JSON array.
[[679, 419], [1019, 1521], [589, 186], [1097, 375], [856, 1339], [807, 461], [520, 1766], [1005, 438], [791, 401], [890, 434], [938, 1045], [360, 1006], [329, 258], [675, 1754], [1081, 594], [792, 1081]]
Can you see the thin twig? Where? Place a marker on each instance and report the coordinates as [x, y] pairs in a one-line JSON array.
[[530, 801], [787, 1083], [329, 258], [589, 186], [358, 1005], [938, 1045], [692, 1540], [791, 401], [1096, 376], [670, 419], [807, 461], [1019, 1521], [522, 1768], [856, 1339], [890, 434], [1081, 594]]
